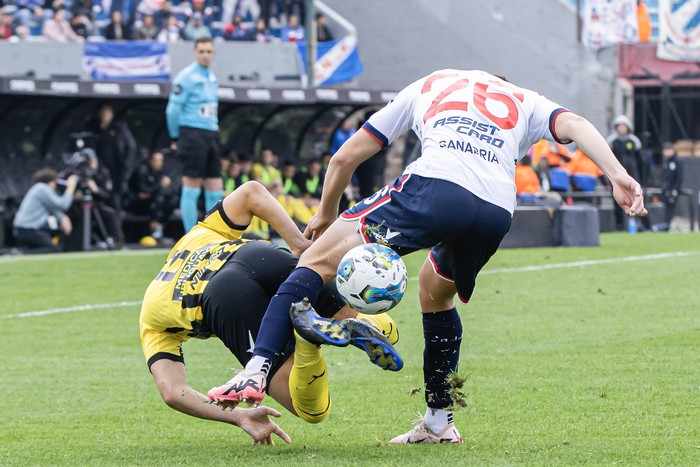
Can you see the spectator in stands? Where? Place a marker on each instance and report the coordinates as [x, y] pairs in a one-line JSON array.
[[117, 30], [42, 212], [555, 153], [249, 10], [127, 10], [231, 173], [21, 34], [542, 170], [527, 184], [171, 33], [246, 170], [114, 145], [292, 31], [310, 182], [266, 7], [201, 7], [584, 172], [289, 185], [57, 29], [79, 24], [161, 17], [238, 31], [31, 13], [262, 33], [671, 181], [266, 172], [196, 29], [341, 135], [147, 31], [626, 147], [6, 19], [151, 194], [323, 34], [289, 8]]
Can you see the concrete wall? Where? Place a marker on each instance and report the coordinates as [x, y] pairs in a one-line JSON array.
[[532, 42], [270, 64]]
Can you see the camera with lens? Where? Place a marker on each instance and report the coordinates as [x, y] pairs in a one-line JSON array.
[[78, 163]]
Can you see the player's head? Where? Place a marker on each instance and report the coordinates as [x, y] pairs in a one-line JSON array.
[[155, 160], [289, 168], [315, 166], [526, 160], [204, 51], [267, 157], [105, 113]]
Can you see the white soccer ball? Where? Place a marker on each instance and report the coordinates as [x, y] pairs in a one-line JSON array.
[[371, 278]]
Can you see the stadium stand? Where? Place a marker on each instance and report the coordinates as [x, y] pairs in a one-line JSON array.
[[46, 95]]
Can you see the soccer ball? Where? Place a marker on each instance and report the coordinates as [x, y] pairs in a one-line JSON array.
[[371, 278]]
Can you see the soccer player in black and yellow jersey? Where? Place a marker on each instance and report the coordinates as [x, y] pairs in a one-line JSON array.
[[214, 283]]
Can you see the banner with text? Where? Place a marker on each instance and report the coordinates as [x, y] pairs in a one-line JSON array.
[[679, 30], [609, 22]]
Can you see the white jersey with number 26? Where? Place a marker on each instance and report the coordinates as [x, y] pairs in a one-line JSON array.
[[473, 127]]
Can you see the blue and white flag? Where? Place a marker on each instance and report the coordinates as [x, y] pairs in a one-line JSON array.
[[679, 30], [336, 61], [122, 61]]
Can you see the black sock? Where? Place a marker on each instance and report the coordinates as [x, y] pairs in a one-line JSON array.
[[443, 336], [276, 327]]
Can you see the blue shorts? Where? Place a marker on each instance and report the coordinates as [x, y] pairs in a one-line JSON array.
[[414, 213]]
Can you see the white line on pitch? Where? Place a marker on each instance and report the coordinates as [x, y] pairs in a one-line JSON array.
[[81, 255], [70, 309], [542, 267], [592, 262]]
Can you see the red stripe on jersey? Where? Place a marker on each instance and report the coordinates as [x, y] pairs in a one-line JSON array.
[[377, 203], [552, 120], [373, 136], [363, 231], [437, 269]]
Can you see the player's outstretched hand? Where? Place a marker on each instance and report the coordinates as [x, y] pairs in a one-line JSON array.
[[629, 195], [317, 225], [257, 424]]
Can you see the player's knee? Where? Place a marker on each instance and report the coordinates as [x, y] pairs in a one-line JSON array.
[[252, 188], [435, 298], [312, 414]]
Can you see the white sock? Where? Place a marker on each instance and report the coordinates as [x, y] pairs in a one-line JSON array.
[[437, 419], [258, 363]]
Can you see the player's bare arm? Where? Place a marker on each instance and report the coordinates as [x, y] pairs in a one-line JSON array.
[[172, 385], [360, 147], [626, 190], [252, 199]]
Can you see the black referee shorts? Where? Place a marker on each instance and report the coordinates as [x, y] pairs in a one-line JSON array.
[[199, 152], [236, 298]]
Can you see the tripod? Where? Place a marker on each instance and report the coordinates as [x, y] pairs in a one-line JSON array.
[[89, 209]]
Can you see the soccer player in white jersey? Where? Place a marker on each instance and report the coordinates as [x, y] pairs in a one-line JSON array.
[[457, 199]]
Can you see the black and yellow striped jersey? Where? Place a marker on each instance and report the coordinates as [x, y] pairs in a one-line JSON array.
[[171, 312]]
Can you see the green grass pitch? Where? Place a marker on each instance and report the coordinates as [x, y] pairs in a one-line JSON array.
[[592, 363]]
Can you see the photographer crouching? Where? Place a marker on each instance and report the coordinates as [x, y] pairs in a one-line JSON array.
[[42, 213]]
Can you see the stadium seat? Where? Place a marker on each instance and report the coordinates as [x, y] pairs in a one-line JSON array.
[[559, 180], [585, 182]]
